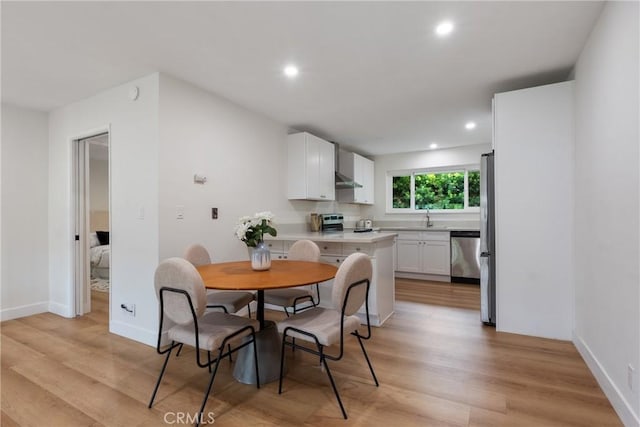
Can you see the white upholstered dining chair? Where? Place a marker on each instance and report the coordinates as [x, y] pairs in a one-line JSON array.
[[228, 301], [182, 297], [325, 327], [302, 250]]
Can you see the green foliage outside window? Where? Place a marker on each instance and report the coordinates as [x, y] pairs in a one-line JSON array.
[[401, 192], [440, 190], [436, 190], [474, 188]]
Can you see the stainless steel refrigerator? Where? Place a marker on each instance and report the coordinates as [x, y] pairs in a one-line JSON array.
[[487, 241]]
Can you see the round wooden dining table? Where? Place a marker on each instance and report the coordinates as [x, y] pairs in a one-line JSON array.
[[239, 276]]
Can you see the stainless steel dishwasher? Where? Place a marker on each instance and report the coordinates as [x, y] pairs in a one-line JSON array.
[[465, 257]]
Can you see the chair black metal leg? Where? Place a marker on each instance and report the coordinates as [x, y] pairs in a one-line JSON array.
[[230, 358], [164, 366], [209, 360], [301, 299], [333, 384], [206, 394], [179, 350], [255, 357], [286, 312], [249, 310], [373, 374], [318, 294], [284, 338]]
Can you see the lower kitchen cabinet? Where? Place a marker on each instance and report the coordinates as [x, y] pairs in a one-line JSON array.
[[423, 255], [382, 288]]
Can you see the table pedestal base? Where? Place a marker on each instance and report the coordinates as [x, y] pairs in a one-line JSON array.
[[269, 346]]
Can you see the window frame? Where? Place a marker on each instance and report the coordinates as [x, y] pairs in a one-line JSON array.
[[420, 171]]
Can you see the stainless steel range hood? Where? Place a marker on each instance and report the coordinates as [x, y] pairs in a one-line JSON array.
[[343, 181]]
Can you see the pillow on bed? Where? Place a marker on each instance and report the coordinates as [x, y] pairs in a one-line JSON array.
[[103, 236], [93, 240]]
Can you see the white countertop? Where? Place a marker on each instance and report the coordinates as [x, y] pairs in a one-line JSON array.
[[336, 237], [434, 228]]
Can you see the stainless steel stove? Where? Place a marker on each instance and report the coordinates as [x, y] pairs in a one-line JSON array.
[[333, 222]]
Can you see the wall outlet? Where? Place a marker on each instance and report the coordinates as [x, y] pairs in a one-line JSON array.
[[214, 213], [129, 309], [630, 376], [179, 212]]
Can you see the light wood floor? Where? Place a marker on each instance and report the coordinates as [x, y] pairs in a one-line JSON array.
[[437, 365]]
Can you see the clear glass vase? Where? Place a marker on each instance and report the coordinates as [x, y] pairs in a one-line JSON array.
[[260, 257]]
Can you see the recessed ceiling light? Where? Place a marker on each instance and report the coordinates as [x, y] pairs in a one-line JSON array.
[[444, 28], [433, 145], [470, 125], [290, 71]]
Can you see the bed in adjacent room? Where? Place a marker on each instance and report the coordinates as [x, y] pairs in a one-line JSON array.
[[99, 254]]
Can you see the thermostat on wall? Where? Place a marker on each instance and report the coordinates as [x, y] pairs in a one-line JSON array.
[[134, 93]]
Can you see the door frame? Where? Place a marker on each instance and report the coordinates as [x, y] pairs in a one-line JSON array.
[[80, 202]]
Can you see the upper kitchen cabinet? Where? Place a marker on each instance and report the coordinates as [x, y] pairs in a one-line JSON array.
[[360, 169], [311, 168]]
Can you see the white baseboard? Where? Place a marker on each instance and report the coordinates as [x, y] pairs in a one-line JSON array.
[[619, 403], [421, 276], [23, 311], [135, 333]]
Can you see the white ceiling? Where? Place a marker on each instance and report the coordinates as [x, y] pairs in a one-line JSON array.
[[373, 76]]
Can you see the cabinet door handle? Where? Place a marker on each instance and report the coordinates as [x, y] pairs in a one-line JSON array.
[[322, 196]]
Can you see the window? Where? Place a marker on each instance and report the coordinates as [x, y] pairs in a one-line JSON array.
[[474, 188], [401, 192], [437, 190]]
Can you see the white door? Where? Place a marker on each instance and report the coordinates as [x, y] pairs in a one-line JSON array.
[[313, 167], [82, 201], [409, 257], [327, 171], [436, 257]]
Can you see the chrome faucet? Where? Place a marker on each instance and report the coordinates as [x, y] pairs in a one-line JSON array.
[[428, 218]]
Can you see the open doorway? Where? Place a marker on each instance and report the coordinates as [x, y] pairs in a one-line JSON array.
[[93, 254]]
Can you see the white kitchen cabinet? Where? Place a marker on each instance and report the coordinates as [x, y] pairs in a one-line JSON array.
[[311, 167], [436, 257], [409, 256], [279, 248], [361, 170], [423, 254], [380, 250]]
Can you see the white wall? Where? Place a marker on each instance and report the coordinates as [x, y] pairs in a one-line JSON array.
[[467, 155], [243, 156], [134, 198], [98, 183], [25, 277], [607, 296], [534, 210]]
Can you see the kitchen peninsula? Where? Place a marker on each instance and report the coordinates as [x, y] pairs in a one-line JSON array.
[[334, 248]]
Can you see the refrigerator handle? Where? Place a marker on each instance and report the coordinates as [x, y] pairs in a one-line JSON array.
[[485, 254]]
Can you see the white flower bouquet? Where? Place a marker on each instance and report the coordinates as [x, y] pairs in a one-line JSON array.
[[251, 230]]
